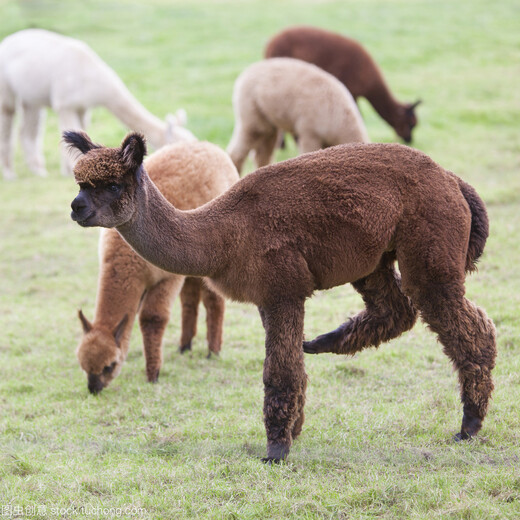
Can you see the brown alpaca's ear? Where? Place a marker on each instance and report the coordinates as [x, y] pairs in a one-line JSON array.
[[118, 331], [87, 326], [79, 140], [133, 149], [410, 108]]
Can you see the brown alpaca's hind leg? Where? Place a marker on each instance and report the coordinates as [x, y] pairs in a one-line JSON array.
[[190, 298], [284, 377], [215, 306], [153, 318], [468, 337], [388, 314]]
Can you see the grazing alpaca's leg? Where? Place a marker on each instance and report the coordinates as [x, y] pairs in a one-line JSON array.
[[7, 111], [239, 147], [308, 142], [69, 119], [215, 306], [153, 318], [264, 148], [190, 298], [284, 377], [31, 138], [388, 313]]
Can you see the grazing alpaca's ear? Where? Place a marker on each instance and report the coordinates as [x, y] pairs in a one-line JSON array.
[[411, 108], [118, 331], [87, 326], [133, 149], [79, 140]]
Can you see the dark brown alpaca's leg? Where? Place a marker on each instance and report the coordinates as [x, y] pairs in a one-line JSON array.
[[153, 318], [284, 377], [215, 306], [388, 314], [190, 298], [468, 337]]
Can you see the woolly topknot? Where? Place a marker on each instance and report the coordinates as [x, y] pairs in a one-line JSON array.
[[100, 165]]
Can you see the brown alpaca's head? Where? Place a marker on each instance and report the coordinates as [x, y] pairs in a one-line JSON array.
[[100, 354], [406, 121], [108, 179]]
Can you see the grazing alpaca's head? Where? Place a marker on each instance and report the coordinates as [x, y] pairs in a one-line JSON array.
[[406, 121], [109, 200], [103, 359]]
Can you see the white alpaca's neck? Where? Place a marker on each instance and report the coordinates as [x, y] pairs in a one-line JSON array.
[[135, 116], [176, 241]]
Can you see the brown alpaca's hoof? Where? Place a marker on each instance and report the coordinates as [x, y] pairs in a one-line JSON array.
[[270, 460], [153, 377], [185, 348], [276, 453], [462, 436], [324, 343]]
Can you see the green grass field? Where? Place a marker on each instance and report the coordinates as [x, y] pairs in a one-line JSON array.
[[377, 442]]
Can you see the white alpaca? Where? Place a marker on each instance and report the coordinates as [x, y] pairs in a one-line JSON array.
[[41, 69], [289, 95]]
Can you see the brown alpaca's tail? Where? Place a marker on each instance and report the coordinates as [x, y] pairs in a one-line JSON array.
[[479, 225]]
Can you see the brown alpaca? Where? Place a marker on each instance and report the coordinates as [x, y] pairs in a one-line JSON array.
[[326, 218], [352, 65], [188, 174]]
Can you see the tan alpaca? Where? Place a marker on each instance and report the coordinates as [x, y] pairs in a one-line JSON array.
[[288, 95], [189, 175], [347, 60], [341, 215], [40, 69]]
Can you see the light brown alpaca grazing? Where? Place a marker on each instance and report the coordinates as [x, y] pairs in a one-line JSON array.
[[326, 218], [349, 61], [287, 95], [189, 174]]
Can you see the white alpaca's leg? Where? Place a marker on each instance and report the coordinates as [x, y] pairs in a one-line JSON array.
[[6, 138], [239, 147], [264, 148], [84, 118], [308, 143], [69, 119], [31, 138]]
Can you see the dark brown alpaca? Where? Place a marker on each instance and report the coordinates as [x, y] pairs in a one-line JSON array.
[[346, 59], [326, 218]]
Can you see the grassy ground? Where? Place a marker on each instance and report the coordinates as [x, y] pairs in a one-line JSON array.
[[377, 439]]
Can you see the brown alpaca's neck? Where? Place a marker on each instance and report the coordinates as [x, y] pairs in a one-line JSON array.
[[180, 242], [384, 102]]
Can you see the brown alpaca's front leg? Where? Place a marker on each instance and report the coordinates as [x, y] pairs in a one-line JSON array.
[[190, 298], [153, 318], [388, 314], [284, 377], [215, 306]]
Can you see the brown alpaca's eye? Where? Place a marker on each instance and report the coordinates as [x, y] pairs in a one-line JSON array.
[[109, 369], [114, 188]]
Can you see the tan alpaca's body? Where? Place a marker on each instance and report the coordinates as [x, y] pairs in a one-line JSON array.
[[288, 95], [347, 60], [189, 175], [39, 69], [344, 214]]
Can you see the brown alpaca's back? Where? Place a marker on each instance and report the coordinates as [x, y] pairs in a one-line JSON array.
[[342, 57], [331, 215], [348, 61]]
